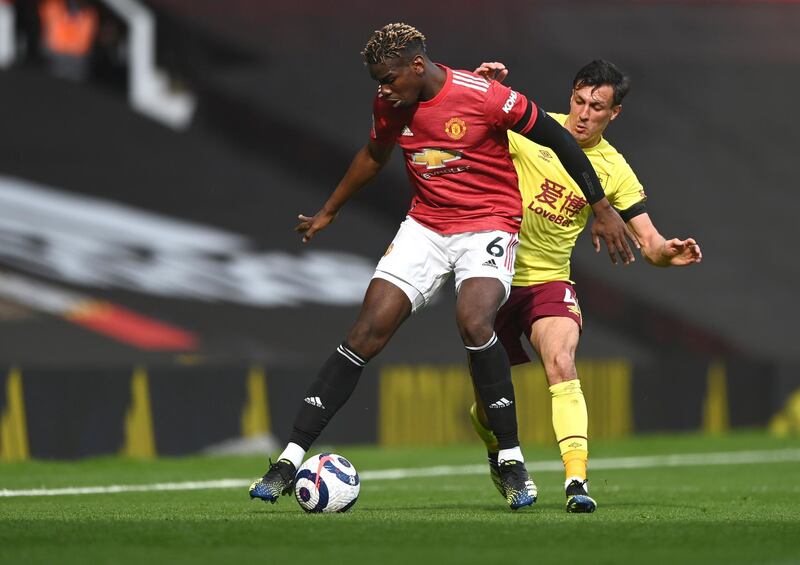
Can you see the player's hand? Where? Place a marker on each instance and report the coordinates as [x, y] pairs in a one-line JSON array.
[[492, 71], [609, 227], [310, 225], [682, 252]]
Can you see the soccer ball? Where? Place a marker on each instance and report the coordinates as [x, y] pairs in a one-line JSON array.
[[327, 483]]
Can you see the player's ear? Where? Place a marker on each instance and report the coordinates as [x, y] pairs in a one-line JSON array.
[[615, 111], [418, 64]]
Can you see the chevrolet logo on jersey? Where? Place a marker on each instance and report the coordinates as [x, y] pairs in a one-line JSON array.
[[435, 158]]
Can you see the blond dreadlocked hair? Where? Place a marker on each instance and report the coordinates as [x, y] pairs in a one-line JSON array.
[[391, 41]]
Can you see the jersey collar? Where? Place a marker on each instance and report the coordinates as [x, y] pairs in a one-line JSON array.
[[448, 81]]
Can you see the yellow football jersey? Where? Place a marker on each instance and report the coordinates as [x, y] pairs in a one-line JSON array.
[[554, 209]]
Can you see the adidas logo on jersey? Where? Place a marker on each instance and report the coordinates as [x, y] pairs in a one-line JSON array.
[[407, 132], [490, 263], [314, 401], [502, 403]]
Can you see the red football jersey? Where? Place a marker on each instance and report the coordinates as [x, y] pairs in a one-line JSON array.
[[456, 152]]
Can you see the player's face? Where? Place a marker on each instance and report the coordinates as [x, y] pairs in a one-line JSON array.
[[399, 80], [590, 111]]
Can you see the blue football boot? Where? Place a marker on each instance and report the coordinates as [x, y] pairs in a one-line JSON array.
[[517, 484], [278, 480], [578, 499]]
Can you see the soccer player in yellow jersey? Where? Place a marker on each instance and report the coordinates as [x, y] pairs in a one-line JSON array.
[[543, 304]]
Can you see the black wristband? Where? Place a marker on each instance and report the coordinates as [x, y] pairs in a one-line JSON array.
[[629, 213]]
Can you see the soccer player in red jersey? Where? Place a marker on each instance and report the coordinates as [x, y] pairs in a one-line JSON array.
[[464, 218]]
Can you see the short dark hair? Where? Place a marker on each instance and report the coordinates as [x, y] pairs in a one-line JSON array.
[[391, 41], [599, 73]]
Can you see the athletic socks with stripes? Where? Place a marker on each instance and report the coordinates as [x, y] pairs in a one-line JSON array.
[[491, 375], [334, 384]]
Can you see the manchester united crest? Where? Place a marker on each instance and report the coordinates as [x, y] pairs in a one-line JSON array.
[[455, 128]]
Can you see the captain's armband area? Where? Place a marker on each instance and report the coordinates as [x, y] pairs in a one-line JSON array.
[[527, 120], [630, 213]]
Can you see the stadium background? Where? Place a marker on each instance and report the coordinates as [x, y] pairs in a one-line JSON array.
[[154, 299]]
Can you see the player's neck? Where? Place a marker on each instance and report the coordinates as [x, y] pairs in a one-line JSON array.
[[435, 77], [589, 143]]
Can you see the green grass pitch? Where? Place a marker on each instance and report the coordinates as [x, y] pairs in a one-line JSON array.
[[726, 513]]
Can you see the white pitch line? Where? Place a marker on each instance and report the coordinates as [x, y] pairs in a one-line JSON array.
[[610, 463], [113, 489]]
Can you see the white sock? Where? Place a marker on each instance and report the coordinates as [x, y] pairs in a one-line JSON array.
[[513, 454], [293, 453], [485, 346], [580, 480]]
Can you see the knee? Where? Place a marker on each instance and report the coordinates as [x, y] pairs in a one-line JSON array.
[[475, 330]]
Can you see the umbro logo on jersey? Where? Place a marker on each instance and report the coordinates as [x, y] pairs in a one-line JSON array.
[[490, 263], [314, 401], [502, 403], [407, 132]]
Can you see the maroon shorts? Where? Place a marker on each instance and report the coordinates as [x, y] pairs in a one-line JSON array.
[[525, 305]]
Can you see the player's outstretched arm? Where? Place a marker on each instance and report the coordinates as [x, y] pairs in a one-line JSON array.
[[663, 252], [367, 163], [608, 224]]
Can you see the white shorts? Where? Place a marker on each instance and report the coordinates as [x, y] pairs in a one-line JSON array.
[[419, 260]]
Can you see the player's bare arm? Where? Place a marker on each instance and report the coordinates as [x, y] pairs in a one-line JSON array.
[[367, 163], [662, 252]]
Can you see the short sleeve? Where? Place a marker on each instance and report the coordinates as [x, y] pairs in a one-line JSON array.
[[629, 190], [505, 108], [386, 123]]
